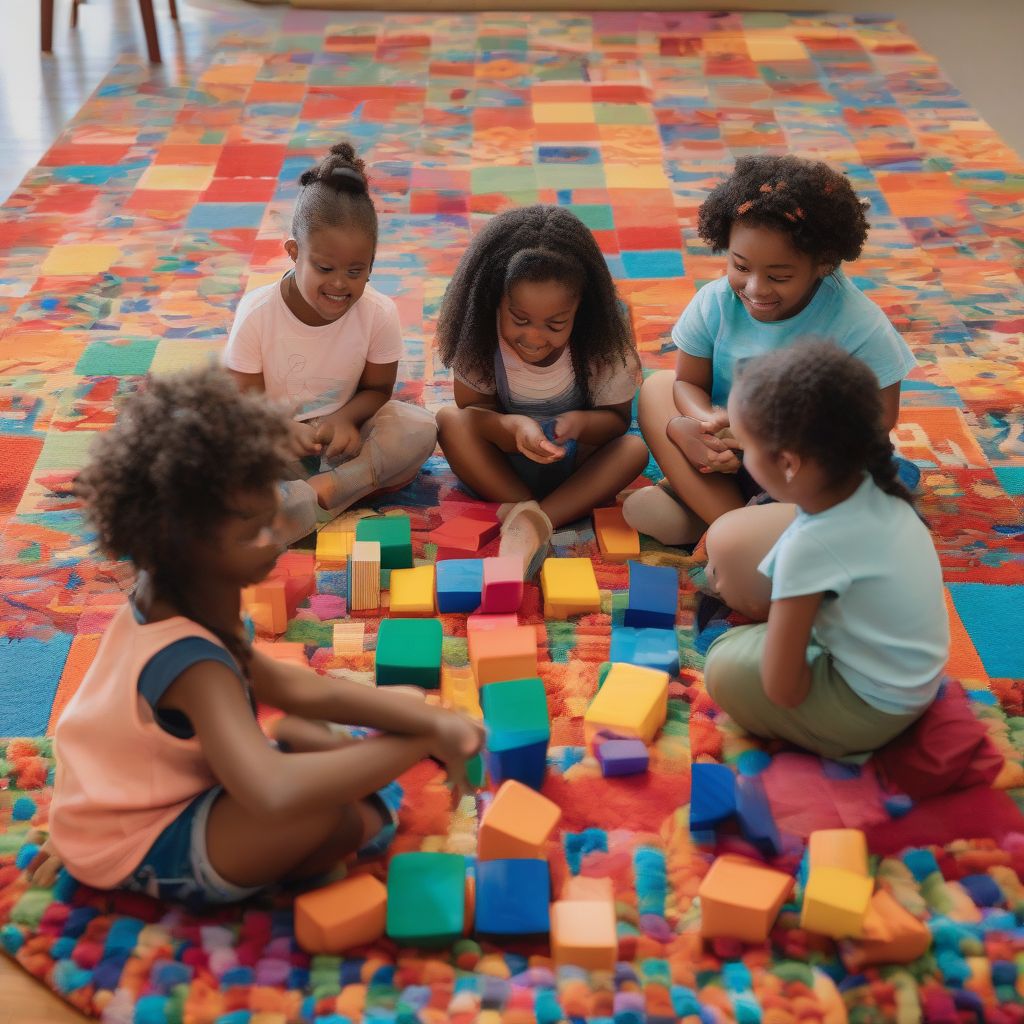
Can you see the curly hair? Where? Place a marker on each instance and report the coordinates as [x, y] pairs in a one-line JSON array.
[[807, 200], [165, 474], [531, 243], [335, 193], [815, 399]]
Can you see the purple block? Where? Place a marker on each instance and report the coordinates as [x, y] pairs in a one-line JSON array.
[[622, 757]]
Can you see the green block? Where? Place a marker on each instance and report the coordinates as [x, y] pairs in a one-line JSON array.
[[395, 536], [409, 653], [516, 714], [426, 898], [476, 773]]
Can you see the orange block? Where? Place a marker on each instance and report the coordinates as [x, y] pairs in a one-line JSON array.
[[740, 899], [518, 823], [502, 654], [844, 848], [267, 605], [478, 621], [340, 916], [583, 934], [617, 540], [582, 887], [892, 935], [291, 652]]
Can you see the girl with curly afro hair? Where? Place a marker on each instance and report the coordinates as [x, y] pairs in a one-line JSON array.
[[165, 782], [786, 226], [545, 374], [851, 635]]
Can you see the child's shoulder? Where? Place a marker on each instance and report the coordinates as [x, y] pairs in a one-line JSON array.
[[376, 302], [259, 301]]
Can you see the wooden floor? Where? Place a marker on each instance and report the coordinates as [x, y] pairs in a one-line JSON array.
[[976, 44]]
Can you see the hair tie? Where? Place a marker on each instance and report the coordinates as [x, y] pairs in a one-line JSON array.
[[766, 187], [744, 207], [348, 172]]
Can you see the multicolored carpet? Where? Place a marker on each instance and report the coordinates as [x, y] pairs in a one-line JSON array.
[[126, 251]]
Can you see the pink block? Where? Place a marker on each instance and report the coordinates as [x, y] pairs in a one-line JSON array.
[[503, 585], [477, 622]]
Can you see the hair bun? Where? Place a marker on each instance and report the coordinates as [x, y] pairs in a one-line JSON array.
[[346, 179]]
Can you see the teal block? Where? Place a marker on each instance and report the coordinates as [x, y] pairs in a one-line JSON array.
[[395, 536], [426, 898], [515, 713], [409, 653], [130, 359], [647, 647]]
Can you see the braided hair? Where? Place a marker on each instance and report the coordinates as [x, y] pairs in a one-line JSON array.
[[335, 193], [806, 200], [816, 400], [536, 244], [165, 474]]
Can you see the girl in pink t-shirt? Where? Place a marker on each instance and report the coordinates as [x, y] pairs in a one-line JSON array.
[[165, 782]]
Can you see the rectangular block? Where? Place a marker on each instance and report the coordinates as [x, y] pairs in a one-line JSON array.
[[836, 902], [653, 596], [364, 576], [632, 702], [712, 795], [458, 691], [570, 587], [409, 653], [617, 540], [584, 887], [518, 822], [478, 623], [412, 591], [460, 582], [348, 637], [757, 824], [463, 535], [741, 899], [394, 534], [892, 935], [583, 934], [648, 648], [333, 547], [294, 653], [500, 654], [512, 897], [845, 848], [502, 585], [267, 606], [426, 898], [622, 757]]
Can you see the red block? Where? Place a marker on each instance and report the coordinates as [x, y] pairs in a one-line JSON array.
[[463, 536]]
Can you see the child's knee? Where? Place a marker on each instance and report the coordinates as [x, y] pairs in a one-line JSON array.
[[656, 402], [450, 419], [635, 450], [405, 430]]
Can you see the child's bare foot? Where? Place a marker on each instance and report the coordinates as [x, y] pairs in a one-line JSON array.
[[658, 512], [525, 534]]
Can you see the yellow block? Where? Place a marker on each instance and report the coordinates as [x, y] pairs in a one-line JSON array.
[[412, 591], [844, 848], [570, 587], [177, 177], [334, 546], [459, 691], [836, 902], [348, 637], [632, 702], [617, 540], [563, 113], [79, 260]]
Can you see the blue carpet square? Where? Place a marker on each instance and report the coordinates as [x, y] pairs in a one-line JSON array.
[[993, 616]]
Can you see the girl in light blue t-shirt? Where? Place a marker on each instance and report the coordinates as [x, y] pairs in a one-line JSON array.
[[852, 635], [787, 225]]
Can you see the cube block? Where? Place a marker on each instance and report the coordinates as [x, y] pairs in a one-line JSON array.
[[570, 587], [394, 534], [755, 816], [583, 934], [648, 648], [478, 622], [460, 581], [741, 899], [512, 897], [518, 822], [338, 917], [412, 591], [503, 585], [617, 540], [426, 898], [712, 795], [459, 692], [409, 653], [500, 654], [845, 848], [836, 902], [518, 731], [633, 703], [653, 596], [583, 887]]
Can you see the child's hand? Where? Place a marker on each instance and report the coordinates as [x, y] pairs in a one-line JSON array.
[[302, 439], [717, 421], [531, 442], [340, 438], [726, 461], [569, 426], [456, 738]]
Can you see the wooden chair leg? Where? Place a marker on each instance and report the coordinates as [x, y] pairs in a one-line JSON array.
[[149, 25], [74, 13], [174, 9], [46, 25]]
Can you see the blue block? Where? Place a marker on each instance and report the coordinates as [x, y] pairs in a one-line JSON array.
[[653, 596], [518, 730], [512, 897], [622, 757], [983, 890], [712, 796], [526, 764], [548, 426], [755, 816], [460, 582], [648, 648]]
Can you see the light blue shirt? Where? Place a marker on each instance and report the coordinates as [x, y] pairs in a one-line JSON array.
[[717, 326], [883, 618]]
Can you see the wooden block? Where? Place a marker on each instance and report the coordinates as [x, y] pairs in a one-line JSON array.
[[570, 587], [333, 547], [364, 576], [348, 637], [500, 654], [583, 934], [892, 935], [476, 623], [502, 585], [338, 917], [459, 692], [583, 887], [845, 848], [412, 591], [836, 902], [519, 822], [632, 702], [653, 596], [741, 899], [617, 540]]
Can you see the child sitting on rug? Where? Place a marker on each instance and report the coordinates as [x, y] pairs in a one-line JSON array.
[[545, 374], [853, 635], [326, 343], [165, 783], [787, 225]]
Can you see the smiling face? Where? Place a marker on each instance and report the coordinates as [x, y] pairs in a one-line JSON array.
[[536, 319], [332, 267], [773, 280]]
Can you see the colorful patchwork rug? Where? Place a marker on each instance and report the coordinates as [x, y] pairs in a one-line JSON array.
[[126, 251]]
